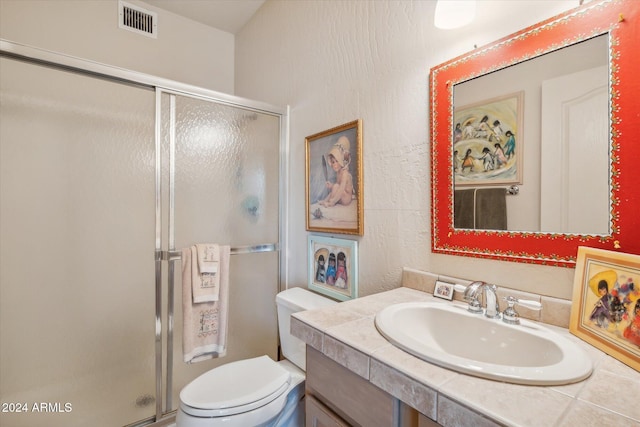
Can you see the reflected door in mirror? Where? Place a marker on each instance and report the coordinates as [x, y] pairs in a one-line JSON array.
[[575, 190]]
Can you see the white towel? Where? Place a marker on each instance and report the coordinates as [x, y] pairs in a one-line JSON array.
[[204, 334], [208, 257], [205, 279]]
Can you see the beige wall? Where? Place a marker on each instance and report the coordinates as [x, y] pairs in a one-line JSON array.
[[335, 61], [185, 50]]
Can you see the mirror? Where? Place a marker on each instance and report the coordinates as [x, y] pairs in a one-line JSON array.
[[518, 139], [525, 167]]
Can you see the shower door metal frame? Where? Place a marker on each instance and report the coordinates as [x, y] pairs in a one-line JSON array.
[[161, 85]]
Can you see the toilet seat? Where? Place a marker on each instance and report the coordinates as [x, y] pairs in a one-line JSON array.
[[235, 388]]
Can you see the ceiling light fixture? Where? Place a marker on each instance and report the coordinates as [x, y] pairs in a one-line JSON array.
[[452, 14]]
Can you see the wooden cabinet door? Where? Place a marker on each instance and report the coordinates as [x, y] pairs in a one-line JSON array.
[[318, 415]]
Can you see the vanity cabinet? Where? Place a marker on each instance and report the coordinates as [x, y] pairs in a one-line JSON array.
[[338, 397]]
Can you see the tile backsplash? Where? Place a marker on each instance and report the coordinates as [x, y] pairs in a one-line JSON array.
[[554, 311]]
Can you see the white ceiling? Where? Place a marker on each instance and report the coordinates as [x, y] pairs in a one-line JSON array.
[[225, 15], [232, 15]]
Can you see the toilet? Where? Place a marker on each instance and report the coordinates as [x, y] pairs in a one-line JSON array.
[[255, 392]]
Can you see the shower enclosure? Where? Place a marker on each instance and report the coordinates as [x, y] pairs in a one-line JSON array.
[[104, 177]]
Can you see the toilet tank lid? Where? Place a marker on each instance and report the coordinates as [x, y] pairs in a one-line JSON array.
[[298, 299]]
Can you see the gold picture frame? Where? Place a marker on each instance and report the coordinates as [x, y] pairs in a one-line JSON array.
[[334, 187], [606, 303]]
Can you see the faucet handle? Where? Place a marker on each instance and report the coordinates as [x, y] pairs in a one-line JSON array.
[[459, 288], [533, 305], [510, 315]]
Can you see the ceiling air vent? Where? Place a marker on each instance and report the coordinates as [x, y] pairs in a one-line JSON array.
[[137, 19]]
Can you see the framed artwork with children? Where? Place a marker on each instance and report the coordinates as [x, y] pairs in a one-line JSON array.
[[333, 267], [487, 142], [606, 303], [334, 188]]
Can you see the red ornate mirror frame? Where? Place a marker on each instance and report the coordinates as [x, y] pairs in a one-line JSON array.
[[620, 19]]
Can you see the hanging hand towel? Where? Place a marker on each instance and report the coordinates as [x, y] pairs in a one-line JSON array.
[[208, 258], [205, 279], [491, 209], [204, 334], [464, 208]]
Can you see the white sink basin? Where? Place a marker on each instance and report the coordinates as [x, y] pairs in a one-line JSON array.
[[447, 335]]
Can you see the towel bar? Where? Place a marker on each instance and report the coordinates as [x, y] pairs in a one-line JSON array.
[[176, 255]]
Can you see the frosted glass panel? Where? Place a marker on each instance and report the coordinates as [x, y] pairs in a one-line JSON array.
[[226, 191], [226, 173], [77, 202]]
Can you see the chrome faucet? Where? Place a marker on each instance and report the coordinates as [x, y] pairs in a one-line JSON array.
[[490, 299]]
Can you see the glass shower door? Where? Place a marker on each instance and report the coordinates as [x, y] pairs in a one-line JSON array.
[[77, 200], [86, 164], [224, 189]]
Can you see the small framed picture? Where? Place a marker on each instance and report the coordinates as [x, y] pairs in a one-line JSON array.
[[443, 290], [334, 188], [606, 303], [333, 267]]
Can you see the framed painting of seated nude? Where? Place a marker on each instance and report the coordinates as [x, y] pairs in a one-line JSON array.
[[487, 142], [606, 303], [334, 188]]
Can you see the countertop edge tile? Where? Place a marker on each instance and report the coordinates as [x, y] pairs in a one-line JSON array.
[[306, 333], [347, 356], [453, 413], [414, 393], [431, 375], [502, 402]]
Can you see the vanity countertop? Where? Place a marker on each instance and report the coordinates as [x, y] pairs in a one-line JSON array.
[[347, 334]]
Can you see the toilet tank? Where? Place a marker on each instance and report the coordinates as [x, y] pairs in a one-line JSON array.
[[288, 302]]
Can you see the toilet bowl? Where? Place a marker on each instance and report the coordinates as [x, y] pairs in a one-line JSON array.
[[259, 391], [251, 392]]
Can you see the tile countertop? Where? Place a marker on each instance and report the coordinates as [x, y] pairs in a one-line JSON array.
[[347, 334]]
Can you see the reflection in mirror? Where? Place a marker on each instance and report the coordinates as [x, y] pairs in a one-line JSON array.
[[575, 155], [542, 125]]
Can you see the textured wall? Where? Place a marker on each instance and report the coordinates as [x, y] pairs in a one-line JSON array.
[[336, 61]]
